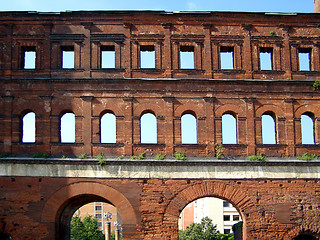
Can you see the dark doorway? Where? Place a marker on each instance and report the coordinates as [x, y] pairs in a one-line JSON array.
[[304, 237]]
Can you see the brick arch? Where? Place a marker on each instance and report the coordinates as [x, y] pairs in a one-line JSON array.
[[278, 111], [306, 108], [209, 189], [61, 199], [220, 190], [188, 108], [148, 107], [311, 229], [229, 108]]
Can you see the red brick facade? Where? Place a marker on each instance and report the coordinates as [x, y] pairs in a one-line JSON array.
[[40, 208]]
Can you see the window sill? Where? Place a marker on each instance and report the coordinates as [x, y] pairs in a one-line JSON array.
[[229, 71], [269, 71], [108, 145], [147, 70], [149, 144], [108, 69], [191, 145], [67, 144]]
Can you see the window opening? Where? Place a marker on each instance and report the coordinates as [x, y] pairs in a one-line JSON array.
[[108, 128], [86, 219], [108, 57], [268, 129], [186, 57], [266, 58], [304, 59], [29, 128], [229, 129], [29, 58], [147, 57], [67, 57], [188, 129], [226, 58], [148, 128], [67, 128], [208, 209], [307, 129]]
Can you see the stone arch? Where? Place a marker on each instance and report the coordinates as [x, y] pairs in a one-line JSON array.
[[306, 108], [229, 109], [309, 229], [278, 111], [238, 199], [192, 108], [149, 107], [60, 206]]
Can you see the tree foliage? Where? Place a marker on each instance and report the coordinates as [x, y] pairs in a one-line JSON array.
[[86, 229], [203, 231]]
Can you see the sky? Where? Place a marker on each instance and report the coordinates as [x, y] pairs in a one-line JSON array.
[[167, 5]]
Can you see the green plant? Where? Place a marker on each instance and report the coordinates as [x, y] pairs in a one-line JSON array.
[[179, 156], [219, 149], [120, 157], [40, 155], [316, 85], [63, 156], [160, 156], [272, 33], [83, 156], [100, 156], [102, 162], [140, 156], [4, 155], [307, 157], [259, 157]]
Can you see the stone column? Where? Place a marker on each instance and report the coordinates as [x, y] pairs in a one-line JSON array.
[[86, 124], [251, 126], [107, 231]]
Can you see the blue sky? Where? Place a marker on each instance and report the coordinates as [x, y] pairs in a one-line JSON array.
[[168, 5]]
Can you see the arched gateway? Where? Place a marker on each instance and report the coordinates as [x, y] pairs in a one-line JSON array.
[[60, 207]]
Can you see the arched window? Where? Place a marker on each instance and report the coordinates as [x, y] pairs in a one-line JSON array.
[[188, 129], [148, 128], [268, 129], [67, 128], [229, 129], [29, 128], [307, 128], [108, 128]]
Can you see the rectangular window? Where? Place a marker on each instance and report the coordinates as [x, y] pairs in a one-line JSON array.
[[235, 218], [67, 57], [98, 208], [304, 59], [226, 231], [186, 57], [99, 224], [226, 217], [266, 58], [226, 58], [28, 57], [108, 57], [98, 216], [147, 57]]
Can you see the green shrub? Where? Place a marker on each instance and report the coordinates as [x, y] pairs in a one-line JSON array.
[[40, 155], [316, 85], [179, 156], [307, 157], [100, 156], [259, 157], [160, 156], [219, 149], [120, 157], [4, 155], [83, 156], [140, 156], [102, 162]]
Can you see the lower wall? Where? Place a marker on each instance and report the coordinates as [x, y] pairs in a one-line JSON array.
[[34, 207]]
